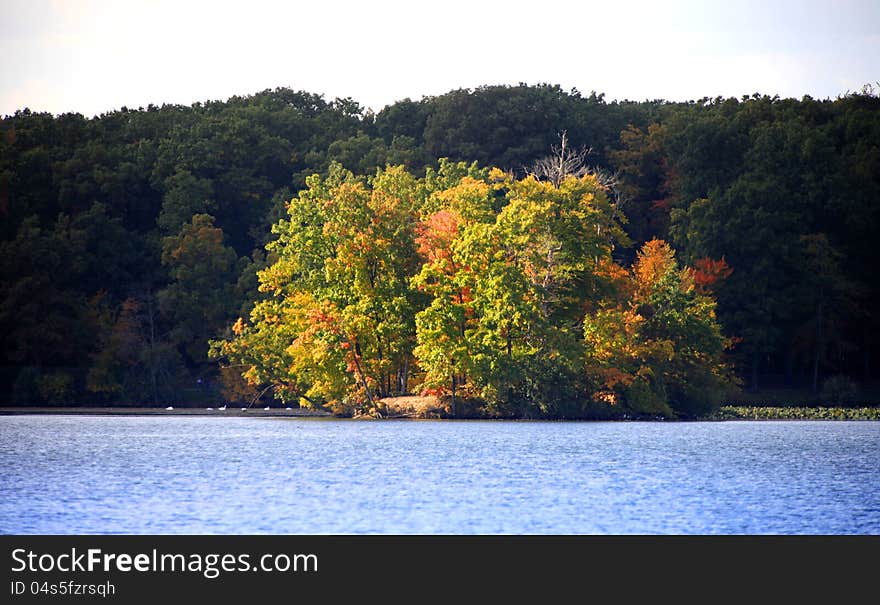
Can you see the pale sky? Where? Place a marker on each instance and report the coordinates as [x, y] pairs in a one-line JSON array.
[[92, 56]]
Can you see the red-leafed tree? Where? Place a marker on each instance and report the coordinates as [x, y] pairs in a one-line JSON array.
[[707, 272]]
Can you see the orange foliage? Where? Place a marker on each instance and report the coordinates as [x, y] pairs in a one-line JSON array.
[[612, 377], [239, 327], [706, 272], [655, 259], [617, 277], [609, 397], [435, 235]]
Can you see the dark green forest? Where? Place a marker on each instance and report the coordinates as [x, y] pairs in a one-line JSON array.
[[131, 240]]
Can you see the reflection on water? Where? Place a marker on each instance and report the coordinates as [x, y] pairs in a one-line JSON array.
[[76, 474]]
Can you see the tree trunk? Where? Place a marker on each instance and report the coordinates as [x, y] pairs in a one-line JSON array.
[[454, 384], [360, 373], [755, 362], [383, 392], [404, 375], [818, 351]]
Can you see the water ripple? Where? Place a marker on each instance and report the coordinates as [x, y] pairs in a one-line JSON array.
[[75, 474]]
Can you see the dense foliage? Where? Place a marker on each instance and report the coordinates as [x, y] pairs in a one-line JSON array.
[[130, 240], [473, 284]]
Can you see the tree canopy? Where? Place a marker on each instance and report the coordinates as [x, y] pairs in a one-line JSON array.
[[473, 284], [132, 239]]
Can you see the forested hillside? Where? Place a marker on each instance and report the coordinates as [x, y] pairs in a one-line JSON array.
[[130, 241]]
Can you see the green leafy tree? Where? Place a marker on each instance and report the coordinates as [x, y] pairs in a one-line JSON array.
[[185, 196], [508, 288], [341, 281], [198, 301], [825, 289]]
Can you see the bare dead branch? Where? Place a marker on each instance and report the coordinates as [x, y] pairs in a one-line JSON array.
[[562, 162]]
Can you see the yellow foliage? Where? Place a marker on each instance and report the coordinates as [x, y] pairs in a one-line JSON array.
[[655, 259], [239, 327]]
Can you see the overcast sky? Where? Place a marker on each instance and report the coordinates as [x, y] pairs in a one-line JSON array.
[[92, 56]]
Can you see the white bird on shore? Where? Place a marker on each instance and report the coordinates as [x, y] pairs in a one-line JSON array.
[[210, 409], [244, 409], [288, 408], [169, 408], [223, 409], [266, 408]]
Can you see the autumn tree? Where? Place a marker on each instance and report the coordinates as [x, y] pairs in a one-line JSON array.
[[340, 300], [508, 289], [660, 350], [445, 327]]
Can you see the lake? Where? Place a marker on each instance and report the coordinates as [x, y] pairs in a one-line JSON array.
[[213, 475]]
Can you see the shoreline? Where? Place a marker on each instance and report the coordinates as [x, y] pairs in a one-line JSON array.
[[230, 412], [725, 413]]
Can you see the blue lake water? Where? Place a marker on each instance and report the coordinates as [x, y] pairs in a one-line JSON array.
[[178, 474]]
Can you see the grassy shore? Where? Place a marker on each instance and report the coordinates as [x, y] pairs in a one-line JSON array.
[[431, 407], [745, 412]]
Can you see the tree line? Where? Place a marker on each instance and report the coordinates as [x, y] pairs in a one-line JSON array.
[[132, 240]]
